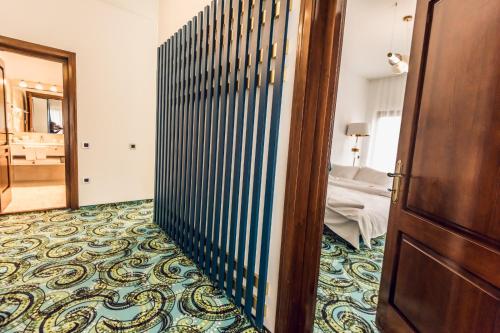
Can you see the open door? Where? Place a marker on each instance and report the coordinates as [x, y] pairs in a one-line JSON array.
[[442, 260]]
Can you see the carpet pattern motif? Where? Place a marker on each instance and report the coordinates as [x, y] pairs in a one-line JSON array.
[[104, 268], [348, 285]]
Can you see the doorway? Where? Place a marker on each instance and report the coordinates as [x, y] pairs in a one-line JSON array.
[[440, 271], [39, 108]]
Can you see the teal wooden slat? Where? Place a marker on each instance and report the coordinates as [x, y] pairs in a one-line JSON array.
[[234, 33], [199, 239], [158, 158], [279, 66], [241, 63], [190, 37], [177, 144], [253, 82], [196, 133], [213, 243], [208, 131], [218, 224], [170, 117], [265, 49]]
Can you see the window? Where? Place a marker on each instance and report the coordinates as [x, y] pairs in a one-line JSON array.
[[385, 140]]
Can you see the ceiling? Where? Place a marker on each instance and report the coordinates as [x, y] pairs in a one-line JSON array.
[[368, 32]]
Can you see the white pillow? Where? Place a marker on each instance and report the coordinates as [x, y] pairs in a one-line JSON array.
[[344, 171], [373, 176]]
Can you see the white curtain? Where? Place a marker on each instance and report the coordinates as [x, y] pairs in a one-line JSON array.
[[386, 104]]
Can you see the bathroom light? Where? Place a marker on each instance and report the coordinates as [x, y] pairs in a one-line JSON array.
[[38, 86], [53, 88], [23, 84]]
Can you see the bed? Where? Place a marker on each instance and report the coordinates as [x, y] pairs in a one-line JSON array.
[[357, 204]]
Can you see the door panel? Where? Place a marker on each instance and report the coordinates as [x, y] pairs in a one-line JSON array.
[[459, 114], [442, 260], [428, 283]]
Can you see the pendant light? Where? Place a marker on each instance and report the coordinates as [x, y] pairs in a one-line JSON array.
[[398, 62]]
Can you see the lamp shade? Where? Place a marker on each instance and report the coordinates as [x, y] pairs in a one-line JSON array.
[[358, 129]]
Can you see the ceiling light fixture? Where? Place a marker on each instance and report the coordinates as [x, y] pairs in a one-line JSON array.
[[23, 84], [38, 86], [53, 88], [398, 62]]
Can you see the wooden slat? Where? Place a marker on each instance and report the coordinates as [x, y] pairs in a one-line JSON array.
[[265, 47], [233, 59], [279, 67], [253, 81], [213, 243], [185, 117], [196, 134], [166, 131], [189, 134], [158, 158], [170, 117], [218, 224], [241, 64], [200, 235], [206, 253], [178, 120]]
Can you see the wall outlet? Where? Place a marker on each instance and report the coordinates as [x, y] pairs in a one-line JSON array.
[[86, 145], [86, 180], [131, 146]]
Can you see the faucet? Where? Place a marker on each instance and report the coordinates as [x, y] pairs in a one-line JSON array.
[[41, 139]]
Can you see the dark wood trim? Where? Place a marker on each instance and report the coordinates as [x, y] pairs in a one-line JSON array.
[[316, 77], [68, 59]]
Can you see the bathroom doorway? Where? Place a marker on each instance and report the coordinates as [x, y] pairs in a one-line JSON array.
[[38, 128]]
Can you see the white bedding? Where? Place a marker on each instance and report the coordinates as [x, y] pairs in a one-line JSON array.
[[344, 216]]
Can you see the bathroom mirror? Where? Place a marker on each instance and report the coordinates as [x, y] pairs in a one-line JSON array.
[[44, 113]]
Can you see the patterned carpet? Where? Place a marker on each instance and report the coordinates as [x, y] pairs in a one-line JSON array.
[[348, 286], [104, 268]]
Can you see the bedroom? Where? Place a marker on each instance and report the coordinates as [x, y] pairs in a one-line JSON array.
[[372, 79]]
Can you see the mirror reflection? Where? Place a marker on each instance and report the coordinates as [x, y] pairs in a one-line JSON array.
[[44, 114]]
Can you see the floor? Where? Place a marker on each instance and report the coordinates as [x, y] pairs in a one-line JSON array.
[[35, 196], [348, 286], [104, 268]]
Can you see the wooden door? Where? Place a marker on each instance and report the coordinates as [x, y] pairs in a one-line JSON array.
[[442, 261]]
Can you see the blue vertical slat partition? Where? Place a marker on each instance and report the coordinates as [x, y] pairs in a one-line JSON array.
[[213, 108]]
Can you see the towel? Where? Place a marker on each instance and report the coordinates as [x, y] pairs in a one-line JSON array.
[[334, 202]]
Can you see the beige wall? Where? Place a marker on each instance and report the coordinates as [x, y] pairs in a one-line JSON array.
[[173, 14], [115, 44]]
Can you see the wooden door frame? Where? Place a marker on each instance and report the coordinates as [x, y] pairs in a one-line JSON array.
[[314, 96], [68, 60]]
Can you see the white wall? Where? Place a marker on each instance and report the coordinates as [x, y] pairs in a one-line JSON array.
[[173, 14], [115, 44], [352, 106]]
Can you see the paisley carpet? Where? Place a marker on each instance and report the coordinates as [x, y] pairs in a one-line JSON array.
[[348, 285], [104, 268]]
